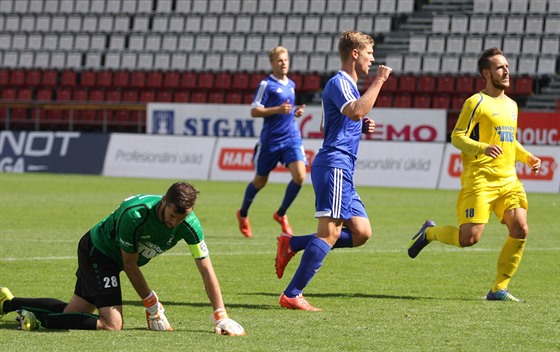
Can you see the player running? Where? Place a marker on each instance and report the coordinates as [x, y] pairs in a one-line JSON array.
[[485, 133], [141, 228], [280, 140], [342, 217]]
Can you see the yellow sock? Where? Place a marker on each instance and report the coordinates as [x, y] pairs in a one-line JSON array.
[[508, 261], [443, 234]]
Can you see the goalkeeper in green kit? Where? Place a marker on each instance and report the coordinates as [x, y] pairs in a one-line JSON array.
[[141, 228]]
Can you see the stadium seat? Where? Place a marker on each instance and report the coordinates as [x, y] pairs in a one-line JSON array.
[[422, 101], [464, 84], [137, 79], [240, 81], [523, 85], [96, 95], [44, 94], [407, 84], [147, 96], [88, 78], [17, 77], [457, 101], [181, 96], [445, 84], [311, 82], [80, 95], [206, 80], [223, 80], [384, 101], [49, 78], [105, 78], [216, 97], [234, 98], [121, 78], [441, 101], [248, 98], [297, 78], [164, 96], [403, 101], [198, 97], [130, 96], [154, 79], [114, 95], [390, 85], [68, 78], [188, 80], [171, 79], [426, 84], [256, 78], [8, 93], [4, 77], [33, 77]]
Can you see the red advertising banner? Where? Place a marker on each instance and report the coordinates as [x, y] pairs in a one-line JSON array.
[[540, 128]]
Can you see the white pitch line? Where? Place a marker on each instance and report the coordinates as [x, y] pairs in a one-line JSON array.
[[336, 252]]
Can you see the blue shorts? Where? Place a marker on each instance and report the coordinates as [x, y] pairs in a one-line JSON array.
[[335, 194], [267, 157]]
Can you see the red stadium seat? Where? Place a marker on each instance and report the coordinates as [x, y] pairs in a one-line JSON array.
[[96, 95], [17, 78], [154, 79], [88, 78], [44, 94], [407, 84], [457, 101], [390, 85], [181, 96], [523, 85], [188, 80], [171, 79], [105, 79], [205, 80], [446, 84], [68, 78], [64, 94], [121, 78], [479, 84], [441, 101], [164, 96], [4, 77], [80, 95], [216, 97], [297, 78], [223, 80], [255, 79], [23, 94], [403, 101], [137, 79], [234, 98], [198, 97], [49, 78], [114, 95], [32, 77], [384, 100], [130, 96], [147, 96], [241, 81], [426, 84], [464, 84], [422, 101], [311, 82], [8, 93], [248, 98]]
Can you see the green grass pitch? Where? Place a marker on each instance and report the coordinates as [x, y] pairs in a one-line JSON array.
[[374, 298]]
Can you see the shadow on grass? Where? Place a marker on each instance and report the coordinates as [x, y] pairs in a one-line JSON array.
[[205, 304], [372, 296]]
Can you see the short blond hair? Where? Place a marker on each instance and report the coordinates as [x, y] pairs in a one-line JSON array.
[[275, 51], [350, 40]]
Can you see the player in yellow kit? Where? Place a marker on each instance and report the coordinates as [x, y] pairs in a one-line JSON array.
[[486, 135]]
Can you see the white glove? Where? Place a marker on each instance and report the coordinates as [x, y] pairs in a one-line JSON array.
[[226, 325], [155, 316]]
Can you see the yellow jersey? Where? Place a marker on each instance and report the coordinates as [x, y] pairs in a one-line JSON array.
[[484, 121]]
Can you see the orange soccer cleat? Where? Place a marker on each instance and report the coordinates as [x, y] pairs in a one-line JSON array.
[[283, 221], [244, 225]]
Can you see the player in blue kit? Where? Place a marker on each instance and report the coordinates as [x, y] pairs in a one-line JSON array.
[[141, 228], [342, 218], [280, 140]]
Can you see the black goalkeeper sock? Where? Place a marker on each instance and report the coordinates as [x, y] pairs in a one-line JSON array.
[[67, 321], [44, 304]]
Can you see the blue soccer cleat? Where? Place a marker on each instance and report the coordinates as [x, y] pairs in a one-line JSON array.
[[419, 240], [502, 295]]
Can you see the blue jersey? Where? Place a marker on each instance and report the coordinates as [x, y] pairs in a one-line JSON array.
[[341, 134], [279, 128]]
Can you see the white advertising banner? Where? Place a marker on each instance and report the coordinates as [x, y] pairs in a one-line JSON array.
[[395, 164], [132, 155], [231, 120], [546, 181], [384, 164]]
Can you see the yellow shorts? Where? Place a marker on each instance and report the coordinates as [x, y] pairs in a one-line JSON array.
[[474, 206]]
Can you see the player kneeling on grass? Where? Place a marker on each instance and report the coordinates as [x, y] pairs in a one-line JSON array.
[[142, 227]]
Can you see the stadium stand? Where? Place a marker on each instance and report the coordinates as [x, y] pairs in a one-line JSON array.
[[134, 51]]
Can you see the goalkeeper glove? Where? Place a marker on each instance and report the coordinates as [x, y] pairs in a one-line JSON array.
[[225, 325], [155, 313]]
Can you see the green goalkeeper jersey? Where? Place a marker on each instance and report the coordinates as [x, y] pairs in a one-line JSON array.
[[135, 228]]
